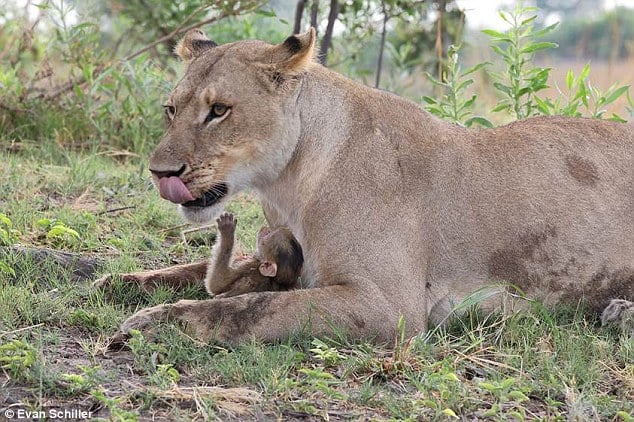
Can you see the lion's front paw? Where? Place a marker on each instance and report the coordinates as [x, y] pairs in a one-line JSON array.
[[227, 223], [103, 282], [146, 319], [619, 312]]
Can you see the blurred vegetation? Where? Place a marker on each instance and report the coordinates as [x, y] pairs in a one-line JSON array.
[[608, 36], [90, 75]]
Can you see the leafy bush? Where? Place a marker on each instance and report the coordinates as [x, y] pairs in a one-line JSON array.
[[520, 80]]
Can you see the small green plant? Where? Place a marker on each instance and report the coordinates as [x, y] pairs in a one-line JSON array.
[[57, 232], [165, 376], [328, 355], [318, 379], [145, 352], [8, 235], [520, 81], [113, 404], [509, 399], [454, 105], [82, 382], [581, 94], [17, 357]]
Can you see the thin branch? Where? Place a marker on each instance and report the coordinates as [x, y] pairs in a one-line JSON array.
[[182, 28]]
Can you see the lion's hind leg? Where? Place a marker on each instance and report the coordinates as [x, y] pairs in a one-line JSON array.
[[619, 312]]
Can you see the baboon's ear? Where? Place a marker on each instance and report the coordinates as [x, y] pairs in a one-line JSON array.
[[268, 269], [294, 55], [193, 44]]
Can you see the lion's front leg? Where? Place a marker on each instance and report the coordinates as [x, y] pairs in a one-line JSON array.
[[269, 316]]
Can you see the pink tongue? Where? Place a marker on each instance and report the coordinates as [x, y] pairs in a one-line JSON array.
[[173, 189]]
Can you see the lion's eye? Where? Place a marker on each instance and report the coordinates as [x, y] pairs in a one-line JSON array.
[[216, 110], [170, 111]]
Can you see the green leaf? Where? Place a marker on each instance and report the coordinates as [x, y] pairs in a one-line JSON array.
[[496, 35], [517, 415], [433, 80], [463, 85], [5, 221], [450, 413], [469, 102], [44, 222], [616, 94], [518, 395], [616, 118], [531, 48], [482, 121], [546, 30], [584, 72], [488, 386], [267, 13], [504, 16], [570, 79], [430, 403], [625, 416], [528, 20], [60, 230], [4, 268], [475, 68], [507, 383], [429, 100], [583, 94], [501, 106], [503, 88], [543, 106]]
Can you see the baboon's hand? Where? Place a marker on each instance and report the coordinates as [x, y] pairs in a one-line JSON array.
[[227, 224]]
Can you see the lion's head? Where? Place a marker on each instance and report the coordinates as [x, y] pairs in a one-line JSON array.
[[231, 121]]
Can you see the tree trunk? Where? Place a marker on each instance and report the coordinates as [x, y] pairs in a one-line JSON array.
[[314, 10], [299, 11], [326, 40], [379, 64], [439, 36]]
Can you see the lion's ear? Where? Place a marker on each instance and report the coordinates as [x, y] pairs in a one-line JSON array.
[[295, 54], [193, 44]]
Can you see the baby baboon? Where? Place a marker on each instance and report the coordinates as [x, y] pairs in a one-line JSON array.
[[276, 264]]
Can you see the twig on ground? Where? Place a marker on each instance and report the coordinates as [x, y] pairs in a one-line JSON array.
[[194, 230], [19, 330], [116, 210], [169, 229]]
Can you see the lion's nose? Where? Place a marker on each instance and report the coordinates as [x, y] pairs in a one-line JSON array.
[[168, 173]]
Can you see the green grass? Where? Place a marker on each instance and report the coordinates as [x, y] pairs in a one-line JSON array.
[[539, 364]]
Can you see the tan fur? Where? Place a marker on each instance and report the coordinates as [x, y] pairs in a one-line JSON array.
[[398, 213]]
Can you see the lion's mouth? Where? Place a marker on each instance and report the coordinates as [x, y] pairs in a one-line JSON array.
[[209, 198]]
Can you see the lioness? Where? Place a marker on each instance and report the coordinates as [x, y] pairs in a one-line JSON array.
[[398, 212]]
